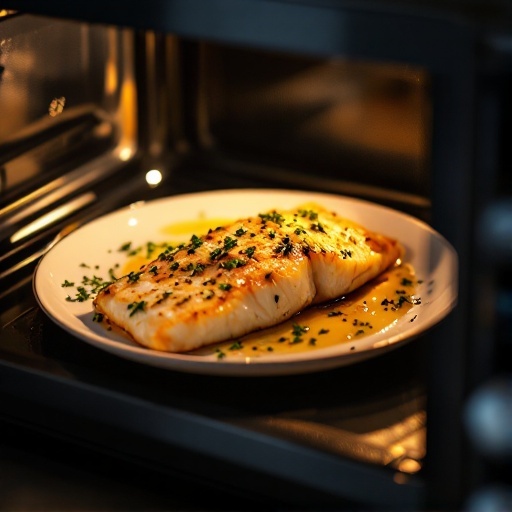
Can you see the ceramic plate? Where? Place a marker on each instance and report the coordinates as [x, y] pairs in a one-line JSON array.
[[94, 249]]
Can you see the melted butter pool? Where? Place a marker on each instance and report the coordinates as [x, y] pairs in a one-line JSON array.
[[375, 307]]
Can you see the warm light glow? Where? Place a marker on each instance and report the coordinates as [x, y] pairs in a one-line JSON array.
[[397, 450], [54, 216], [132, 222], [125, 153], [153, 177], [409, 466]]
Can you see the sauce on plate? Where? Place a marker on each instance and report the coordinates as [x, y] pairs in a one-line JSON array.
[[376, 306]]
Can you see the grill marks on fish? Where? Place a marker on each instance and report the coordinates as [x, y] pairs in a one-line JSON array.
[[251, 274]]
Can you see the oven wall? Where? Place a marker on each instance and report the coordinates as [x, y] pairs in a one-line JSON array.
[[337, 118], [66, 93]]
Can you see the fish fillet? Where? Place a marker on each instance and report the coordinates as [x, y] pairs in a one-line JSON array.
[[251, 274]]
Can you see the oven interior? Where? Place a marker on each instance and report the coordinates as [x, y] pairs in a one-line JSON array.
[[95, 116]]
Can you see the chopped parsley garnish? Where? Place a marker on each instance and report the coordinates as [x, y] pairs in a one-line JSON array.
[[195, 269], [233, 263], [98, 317], [164, 296], [229, 243], [111, 274], [90, 287], [310, 214], [317, 227], [133, 277], [285, 247], [275, 217], [215, 254], [81, 295], [150, 249], [297, 332], [136, 307], [225, 286], [249, 252], [195, 242]]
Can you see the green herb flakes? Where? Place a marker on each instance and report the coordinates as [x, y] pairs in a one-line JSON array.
[[136, 307], [98, 317]]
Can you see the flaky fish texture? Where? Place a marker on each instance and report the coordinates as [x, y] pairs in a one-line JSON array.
[[249, 275]]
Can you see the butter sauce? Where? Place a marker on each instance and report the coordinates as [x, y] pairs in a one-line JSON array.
[[376, 306]]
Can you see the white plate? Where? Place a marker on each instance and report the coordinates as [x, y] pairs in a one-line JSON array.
[[97, 243]]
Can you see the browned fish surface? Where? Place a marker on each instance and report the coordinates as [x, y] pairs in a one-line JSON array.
[[243, 277]]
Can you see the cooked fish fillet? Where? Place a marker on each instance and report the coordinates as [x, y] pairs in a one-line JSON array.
[[243, 277], [343, 254]]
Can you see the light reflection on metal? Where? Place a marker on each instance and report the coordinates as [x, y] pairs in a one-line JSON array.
[[54, 216], [125, 153], [399, 444], [397, 450], [35, 256], [58, 189], [409, 466], [153, 177], [57, 106], [111, 66]]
